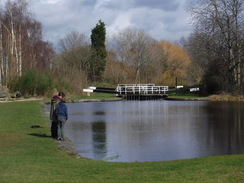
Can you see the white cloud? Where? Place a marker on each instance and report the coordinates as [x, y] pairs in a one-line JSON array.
[[162, 19], [121, 22], [52, 1], [99, 3]]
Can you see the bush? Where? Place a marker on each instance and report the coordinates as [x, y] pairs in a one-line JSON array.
[[33, 83], [64, 85]]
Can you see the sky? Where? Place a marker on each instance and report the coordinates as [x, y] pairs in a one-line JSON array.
[[162, 19]]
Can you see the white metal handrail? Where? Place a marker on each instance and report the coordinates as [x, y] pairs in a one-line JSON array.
[[141, 89]]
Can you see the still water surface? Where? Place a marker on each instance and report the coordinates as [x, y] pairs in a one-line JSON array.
[[128, 131]]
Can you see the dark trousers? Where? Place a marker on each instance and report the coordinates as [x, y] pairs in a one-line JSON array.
[[54, 130], [61, 123]]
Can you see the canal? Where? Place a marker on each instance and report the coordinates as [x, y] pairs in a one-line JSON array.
[[129, 131]]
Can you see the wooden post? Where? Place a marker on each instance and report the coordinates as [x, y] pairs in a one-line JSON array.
[[176, 84]]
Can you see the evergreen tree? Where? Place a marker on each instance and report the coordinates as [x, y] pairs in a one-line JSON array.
[[98, 61]]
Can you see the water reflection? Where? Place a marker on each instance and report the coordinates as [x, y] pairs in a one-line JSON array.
[[225, 127], [99, 139], [129, 131]]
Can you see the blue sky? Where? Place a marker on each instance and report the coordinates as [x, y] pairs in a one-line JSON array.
[[162, 19]]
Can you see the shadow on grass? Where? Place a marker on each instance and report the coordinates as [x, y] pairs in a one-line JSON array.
[[41, 135]]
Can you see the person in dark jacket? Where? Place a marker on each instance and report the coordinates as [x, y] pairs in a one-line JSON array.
[[53, 117], [62, 115]]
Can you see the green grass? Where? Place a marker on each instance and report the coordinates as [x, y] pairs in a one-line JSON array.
[[176, 95], [102, 96], [30, 155], [94, 96]]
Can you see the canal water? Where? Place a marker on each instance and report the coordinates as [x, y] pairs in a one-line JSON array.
[[129, 131]]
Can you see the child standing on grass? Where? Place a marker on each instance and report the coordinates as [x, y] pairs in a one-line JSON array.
[[62, 115]]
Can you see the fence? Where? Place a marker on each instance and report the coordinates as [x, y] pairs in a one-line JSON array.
[[141, 89]]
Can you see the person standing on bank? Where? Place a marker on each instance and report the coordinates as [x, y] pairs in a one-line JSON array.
[[62, 114], [53, 117]]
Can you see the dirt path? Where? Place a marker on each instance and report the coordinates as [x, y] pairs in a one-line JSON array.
[[20, 99]]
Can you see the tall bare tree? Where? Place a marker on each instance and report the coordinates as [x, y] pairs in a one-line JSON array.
[[74, 57], [15, 16], [222, 22], [21, 44], [135, 48]]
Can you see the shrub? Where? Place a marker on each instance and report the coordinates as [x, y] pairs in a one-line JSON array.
[[33, 83]]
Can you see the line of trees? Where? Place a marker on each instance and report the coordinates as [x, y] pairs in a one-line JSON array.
[[213, 55], [133, 56], [80, 62], [217, 44], [21, 45]]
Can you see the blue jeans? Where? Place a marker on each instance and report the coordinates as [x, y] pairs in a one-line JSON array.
[[61, 123]]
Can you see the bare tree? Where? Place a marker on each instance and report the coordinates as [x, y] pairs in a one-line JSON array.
[[134, 47], [1, 49], [114, 71], [73, 61], [72, 40], [222, 22], [201, 50], [21, 45], [15, 16]]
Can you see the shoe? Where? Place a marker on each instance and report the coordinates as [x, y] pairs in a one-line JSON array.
[[59, 138]]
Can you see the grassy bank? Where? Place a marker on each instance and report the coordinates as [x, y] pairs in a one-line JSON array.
[[107, 96], [95, 95], [30, 155], [175, 96]]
